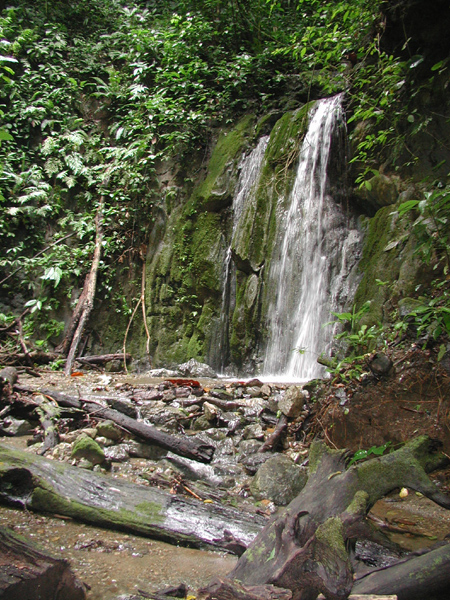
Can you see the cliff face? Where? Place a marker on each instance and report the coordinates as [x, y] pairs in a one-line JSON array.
[[207, 287]]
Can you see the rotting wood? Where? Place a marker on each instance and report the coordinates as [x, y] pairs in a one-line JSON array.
[[36, 483], [182, 445], [101, 359], [304, 549], [89, 289], [426, 575], [273, 439], [29, 572]]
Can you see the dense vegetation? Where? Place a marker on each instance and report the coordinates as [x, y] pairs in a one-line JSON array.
[[98, 96]]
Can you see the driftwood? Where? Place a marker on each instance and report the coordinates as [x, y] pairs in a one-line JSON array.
[[414, 578], [101, 359], [37, 358], [36, 483], [32, 574], [182, 445], [305, 548], [85, 304], [273, 439]]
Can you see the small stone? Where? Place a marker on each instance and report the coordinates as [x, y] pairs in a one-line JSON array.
[[381, 364], [201, 424], [117, 453], [211, 411], [86, 447], [292, 401], [109, 430], [14, 426], [266, 390], [253, 431]]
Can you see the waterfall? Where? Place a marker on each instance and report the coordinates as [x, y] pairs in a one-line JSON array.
[[250, 169], [317, 246]]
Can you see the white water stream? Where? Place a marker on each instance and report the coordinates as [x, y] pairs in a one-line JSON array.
[[250, 171], [310, 273]]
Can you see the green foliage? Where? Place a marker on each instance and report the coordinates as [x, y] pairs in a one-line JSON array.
[[373, 451], [431, 229]]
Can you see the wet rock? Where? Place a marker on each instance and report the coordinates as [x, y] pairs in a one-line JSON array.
[[140, 450], [12, 427], [87, 448], [151, 394], [202, 423], [254, 461], [254, 407], [266, 390], [233, 421], [109, 430], [162, 415], [279, 480], [62, 451], [253, 432], [118, 453], [211, 411], [253, 391], [380, 364], [182, 392], [248, 447], [162, 373], [126, 407], [222, 394], [292, 401], [193, 368]]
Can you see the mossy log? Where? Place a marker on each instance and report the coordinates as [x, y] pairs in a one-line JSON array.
[[36, 483], [181, 445], [28, 572], [305, 548], [416, 577]]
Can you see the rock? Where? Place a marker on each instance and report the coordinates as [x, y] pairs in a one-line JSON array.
[[211, 411], [292, 401], [407, 305], [222, 394], [87, 448], [201, 424], [12, 426], [266, 390], [109, 430], [162, 373], [279, 480], [380, 364], [141, 450], [193, 368], [126, 407], [117, 453], [254, 461], [254, 431]]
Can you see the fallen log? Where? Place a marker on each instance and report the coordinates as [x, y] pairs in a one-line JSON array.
[[102, 359], [37, 358], [305, 548], [414, 578], [28, 572], [36, 483], [182, 445]]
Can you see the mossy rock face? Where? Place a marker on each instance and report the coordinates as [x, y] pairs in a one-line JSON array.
[[184, 276], [391, 269]]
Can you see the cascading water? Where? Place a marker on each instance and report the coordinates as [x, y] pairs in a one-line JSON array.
[[318, 246], [250, 169]]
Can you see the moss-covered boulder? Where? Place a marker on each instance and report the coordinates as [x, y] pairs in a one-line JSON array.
[[87, 448]]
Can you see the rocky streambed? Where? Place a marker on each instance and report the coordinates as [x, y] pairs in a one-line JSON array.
[[260, 433]]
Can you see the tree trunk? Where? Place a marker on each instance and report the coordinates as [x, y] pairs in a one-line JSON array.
[[88, 295], [32, 574], [304, 549], [35, 483]]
